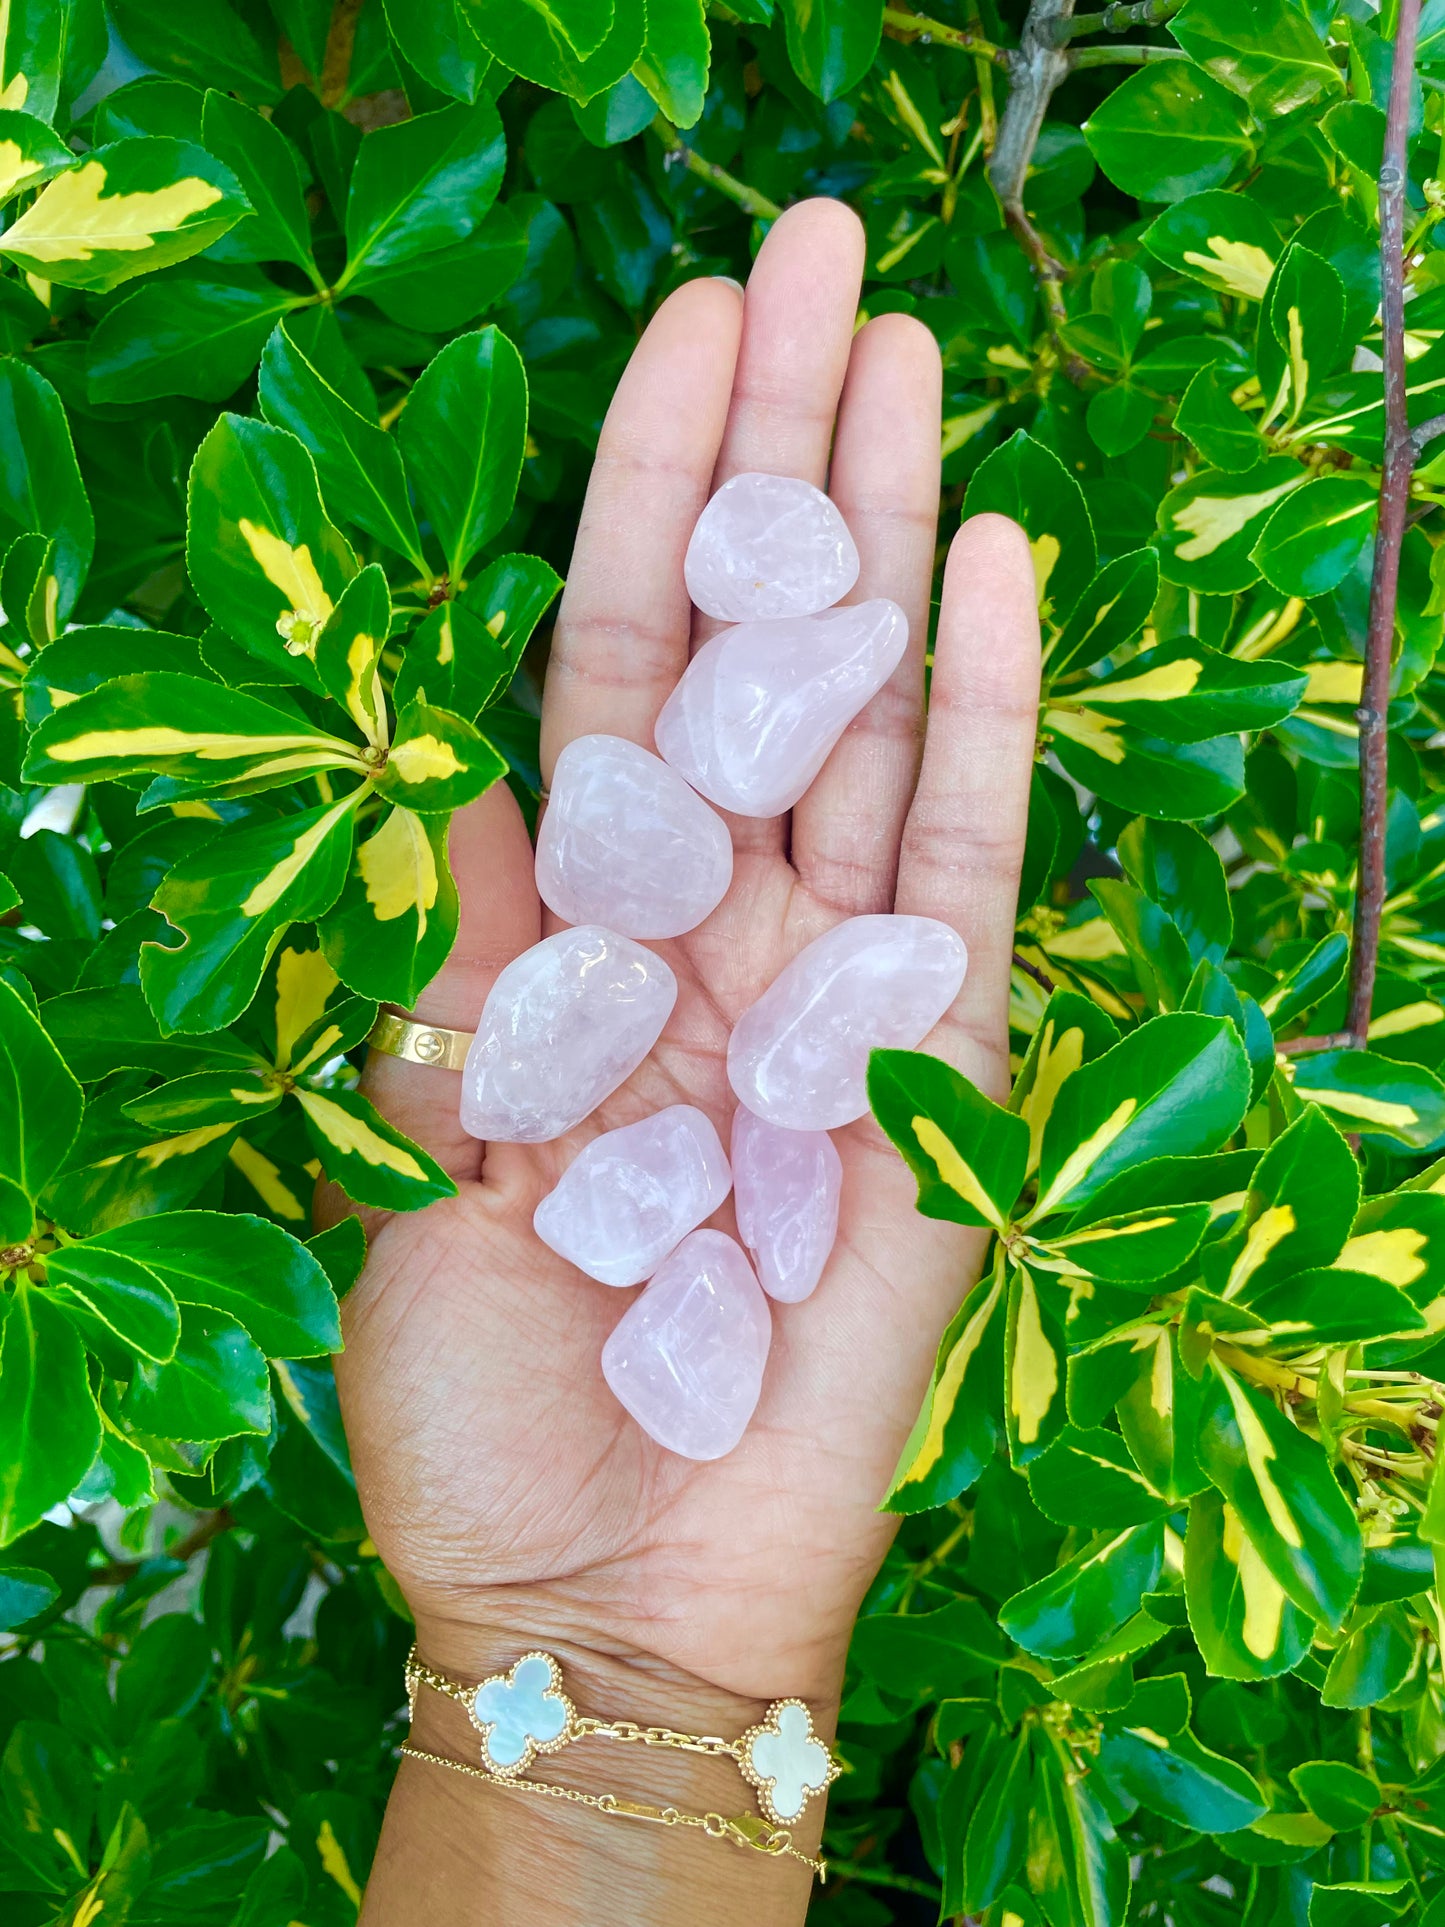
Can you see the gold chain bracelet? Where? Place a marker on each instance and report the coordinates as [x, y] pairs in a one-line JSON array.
[[524, 1712]]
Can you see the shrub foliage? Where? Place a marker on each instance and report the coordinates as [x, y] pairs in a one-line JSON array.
[[309, 315]]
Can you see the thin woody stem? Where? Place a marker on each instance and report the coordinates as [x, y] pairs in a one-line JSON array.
[[917, 26], [679, 154], [1117, 19], [1394, 505]]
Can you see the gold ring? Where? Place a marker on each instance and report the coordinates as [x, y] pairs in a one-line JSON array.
[[420, 1043]]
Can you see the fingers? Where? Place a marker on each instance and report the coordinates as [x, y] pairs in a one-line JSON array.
[[622, 630], [885, 478], [491, 860], [964, 838]]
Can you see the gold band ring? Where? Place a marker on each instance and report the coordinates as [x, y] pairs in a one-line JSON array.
[[417, 1043]]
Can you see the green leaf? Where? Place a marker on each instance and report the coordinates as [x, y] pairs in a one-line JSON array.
[[1245, 1625], [1265, 50], [438, 762], [466, 652], [266, 165], [1311, 980], [1226, 241], [1119, 417], [209, 44], [1152, 943], [419, 185], [1297, 1213], [126, 209], [1089, 1596], [1072, 1031], [1087, 1477], [40, 1110], [1373, 1662], [393, 926], [215, 1387], [265, 561], [967, 1153], [463, 435], [1335, 1307], [185, 337], [1168, 132], [1028, 482], [126, 1297], [1147, 774], [1180, 871], [1159, 1414], [1136, 1248], [42, 44], [1208, 526], [205, 1097], [1401, 1240], [1315, 538], [230, 901], [448, 287], [30, 154], [956, 1432], [372, 1161], [831, 43], [675, 58], [349, 651], [1110, 613], [1365, 1092], [1179, 1779], [1286, 1495], [1035, 1366], [357, 463], [24, 1594], [49, 1426], [1225, 436], [238, 1264], [520, 38], [1299, 346], [49, 1790], [997, 1837], [442, 46], [199, 738], [40, 484], [1174, 1087], [1341, 1795]]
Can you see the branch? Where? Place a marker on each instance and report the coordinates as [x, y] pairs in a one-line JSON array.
[[1044, 981], [1426, 432], [917, 26], [1116, 19], [1389, 534], [1122, 56], [1306, 1046], [679, 154]]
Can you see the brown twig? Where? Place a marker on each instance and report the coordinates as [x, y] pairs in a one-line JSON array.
[[1390, 532], [1306, 1046], [1426, 432], [1040, 977]]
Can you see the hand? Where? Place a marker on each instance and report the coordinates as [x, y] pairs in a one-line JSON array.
[[504, 1486]]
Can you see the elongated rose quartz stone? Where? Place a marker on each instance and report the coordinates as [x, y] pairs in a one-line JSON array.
[[786, 1186], [565, 1024], [799, 1056], [769, 545], [625, 842], [687, 1358], [634, 1194], [759, 707]]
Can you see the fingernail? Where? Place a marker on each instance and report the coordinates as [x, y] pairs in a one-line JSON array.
[[728, 282]]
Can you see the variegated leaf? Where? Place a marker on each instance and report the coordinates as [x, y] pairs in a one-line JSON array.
[[393, 926], [956, 1432], [371, 1160]]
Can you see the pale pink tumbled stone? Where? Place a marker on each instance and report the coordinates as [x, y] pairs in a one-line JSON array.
[[634, 1194], [769, 545], [565, 1024], [625, 842], [785, 1191], [687, 1357], [799, 1056], [759, 707]]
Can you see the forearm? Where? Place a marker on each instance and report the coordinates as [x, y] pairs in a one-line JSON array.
[[459, 1849]]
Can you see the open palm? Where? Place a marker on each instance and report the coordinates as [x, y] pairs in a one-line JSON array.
[[494, 1463]]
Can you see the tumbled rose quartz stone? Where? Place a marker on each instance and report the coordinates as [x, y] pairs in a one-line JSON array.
[[565, 1024], [769, 545], [799, 1056], [625, 842], [759, 707], [785, 1192], [634, 1194], [687, 1358]]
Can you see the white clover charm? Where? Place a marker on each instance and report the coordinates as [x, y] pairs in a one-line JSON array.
[[785, 1761], [522, 1713]]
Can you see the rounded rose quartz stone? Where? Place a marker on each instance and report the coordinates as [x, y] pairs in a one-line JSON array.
[[769, 545], [634, 1194], [565, 1024], [687, 1357], [799, 1056], [760, 707], [625, 842], [786, 1186]]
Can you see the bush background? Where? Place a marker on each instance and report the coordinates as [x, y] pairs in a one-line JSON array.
[[391, 245]]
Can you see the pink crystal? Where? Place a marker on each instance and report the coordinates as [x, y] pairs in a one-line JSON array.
[[759, 707], [565, 1024], [799, 1055], [634, 1194], [786, 1186], [769, 545], [687, 1357], [625, 842]]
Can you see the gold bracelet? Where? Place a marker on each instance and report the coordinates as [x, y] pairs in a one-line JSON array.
[[524, 1712]]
